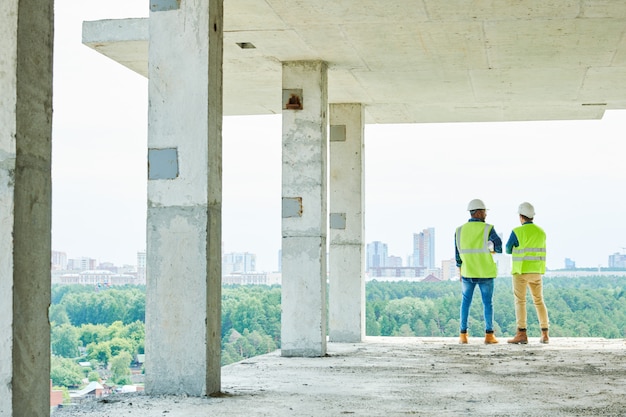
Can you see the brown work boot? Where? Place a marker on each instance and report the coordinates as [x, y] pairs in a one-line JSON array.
[[490, 339], [463, 339], [520, 338], [544, 337]]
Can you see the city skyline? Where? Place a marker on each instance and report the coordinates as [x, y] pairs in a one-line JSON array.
[[415, 175], [376, 255]]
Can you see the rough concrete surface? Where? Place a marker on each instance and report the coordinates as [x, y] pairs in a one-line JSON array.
[[386, 376]]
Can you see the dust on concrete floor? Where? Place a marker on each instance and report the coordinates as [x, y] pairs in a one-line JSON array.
[[386, 376]]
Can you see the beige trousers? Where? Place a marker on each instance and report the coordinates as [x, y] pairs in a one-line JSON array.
[[534, 283]]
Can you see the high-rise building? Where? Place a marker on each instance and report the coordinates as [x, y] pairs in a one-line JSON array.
[[59, 260], [244, 262], [141, 267], [424, 248], [617, 260], [376, 255]]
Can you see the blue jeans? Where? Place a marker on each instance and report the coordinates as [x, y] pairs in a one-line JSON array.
[[486, 292]]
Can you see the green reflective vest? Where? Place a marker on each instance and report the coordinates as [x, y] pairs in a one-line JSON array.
[[472, 243], [530, 256]]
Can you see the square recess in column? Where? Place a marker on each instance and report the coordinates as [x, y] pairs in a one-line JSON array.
[[337, 133], [162, 164], [292, 207], [164, 5], [338, 220], [292, 99]]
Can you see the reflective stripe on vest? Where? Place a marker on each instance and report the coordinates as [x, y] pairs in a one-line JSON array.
[[472, 243], [530, 256]]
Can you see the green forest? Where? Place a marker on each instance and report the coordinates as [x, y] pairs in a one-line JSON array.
[[105, 326]]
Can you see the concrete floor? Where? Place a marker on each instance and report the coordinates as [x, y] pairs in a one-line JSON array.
[[408, 376]]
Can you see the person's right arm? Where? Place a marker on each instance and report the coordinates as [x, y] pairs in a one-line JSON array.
[[512, 243], [456, 253]]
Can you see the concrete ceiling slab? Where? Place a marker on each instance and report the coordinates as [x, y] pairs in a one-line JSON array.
[[416, 62]]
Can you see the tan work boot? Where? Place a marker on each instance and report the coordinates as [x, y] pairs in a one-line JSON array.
[[463, 339], [520, 338], [544, 337], [490, 339]]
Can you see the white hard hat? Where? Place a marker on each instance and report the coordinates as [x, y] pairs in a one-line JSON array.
[[476, 204], [527, 210]]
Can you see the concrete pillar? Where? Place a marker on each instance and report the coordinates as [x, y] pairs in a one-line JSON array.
[[183, 306], [304, 223], [346, 306], [26, 33]]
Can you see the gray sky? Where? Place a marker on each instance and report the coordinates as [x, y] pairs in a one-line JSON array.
[[417, 176]]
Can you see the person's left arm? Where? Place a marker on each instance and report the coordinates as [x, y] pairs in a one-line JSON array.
[[512, 243], [497, 242]]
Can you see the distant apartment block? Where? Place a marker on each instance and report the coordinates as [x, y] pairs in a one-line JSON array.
[[396, 272], [255, 278], [97, 277], [58, 261], [108, 266], [81, 264], [394, 262], [424, 248], [570, 264], [617, 260], [141, 267], [449, 270], [376, 255], [238, 262]]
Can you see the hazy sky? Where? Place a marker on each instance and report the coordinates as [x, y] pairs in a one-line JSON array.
[[417, 176]]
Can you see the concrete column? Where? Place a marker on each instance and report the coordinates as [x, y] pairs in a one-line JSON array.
[[26, 33], [183, 307], [347, 284], [304, 194]]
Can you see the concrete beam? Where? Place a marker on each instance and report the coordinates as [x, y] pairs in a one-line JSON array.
[[304, 216], [347, 282], [26, 34], [183, 305]]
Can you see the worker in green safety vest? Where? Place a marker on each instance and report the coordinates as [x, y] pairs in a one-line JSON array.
[[527, 244], [475, 241]]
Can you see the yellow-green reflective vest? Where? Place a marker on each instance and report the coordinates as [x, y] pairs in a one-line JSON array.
[[530, 256], [472, 243]]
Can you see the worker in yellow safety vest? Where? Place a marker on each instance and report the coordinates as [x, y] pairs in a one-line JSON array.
[[475, 241], [527, 244]]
